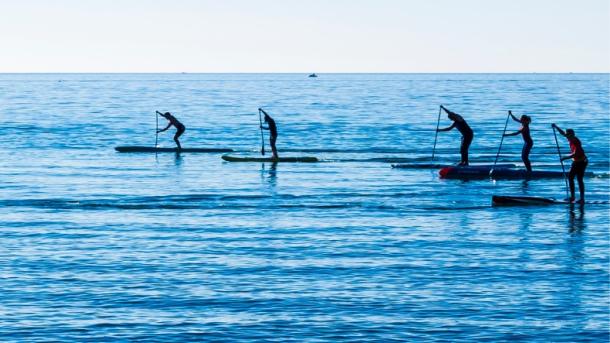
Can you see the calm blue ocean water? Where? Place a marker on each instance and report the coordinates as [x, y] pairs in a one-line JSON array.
[[101, 246]]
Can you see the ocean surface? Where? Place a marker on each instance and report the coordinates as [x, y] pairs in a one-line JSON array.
[[101, 246]]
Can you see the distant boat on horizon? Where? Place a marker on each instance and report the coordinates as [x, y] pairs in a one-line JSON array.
[[313, 75]]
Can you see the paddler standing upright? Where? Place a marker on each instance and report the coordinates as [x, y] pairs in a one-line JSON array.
[[272, 132], [465, 130], [528, 142], [579, 163]]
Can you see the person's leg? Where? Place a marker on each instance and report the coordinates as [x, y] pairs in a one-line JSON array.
[[177, 135], [273, 148], [525, 156], [581, 179], [464, 149], [571, 176]]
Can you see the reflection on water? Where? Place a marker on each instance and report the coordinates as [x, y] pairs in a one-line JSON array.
[[173, 247], [524, 186], [576, 218], [272, 176], [178, 158], [269, 175]]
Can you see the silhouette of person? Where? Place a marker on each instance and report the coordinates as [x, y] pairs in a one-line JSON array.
[[272, 132], [528, 143], [579, 163], [465, 130], [180, 128]]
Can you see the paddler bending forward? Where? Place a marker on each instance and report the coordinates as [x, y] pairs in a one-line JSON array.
[[272, 132], [177, 124], [465, 130], [579, 163]]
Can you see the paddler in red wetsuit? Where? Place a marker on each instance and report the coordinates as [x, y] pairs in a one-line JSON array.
[[579, 163]]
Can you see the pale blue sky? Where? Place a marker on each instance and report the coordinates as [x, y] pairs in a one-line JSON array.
[[305, 36]]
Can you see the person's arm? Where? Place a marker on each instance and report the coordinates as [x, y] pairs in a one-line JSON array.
[[558, 129], [561, 132], [459, 117], [265, 113], [167, 127], [447, 128], [514, 118], [513, 133], [447, 111]]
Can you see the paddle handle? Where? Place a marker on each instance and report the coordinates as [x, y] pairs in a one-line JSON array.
[[501, 139], [438, 123], [260, 121], [563, 169]]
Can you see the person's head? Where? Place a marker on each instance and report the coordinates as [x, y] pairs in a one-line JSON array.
[[526, 119], [452, 116], [266, 118], [570, 133]]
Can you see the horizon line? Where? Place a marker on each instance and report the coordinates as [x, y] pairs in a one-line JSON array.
[[300, 72]]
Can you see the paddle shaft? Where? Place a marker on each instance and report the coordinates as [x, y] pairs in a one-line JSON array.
[[501, 139], [563, 169], [438, 123], [260, 121]]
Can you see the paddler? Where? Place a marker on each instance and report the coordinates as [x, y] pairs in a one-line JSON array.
[[528, 143], [176, 123], [272, 132], [579, 163], [465, 130]]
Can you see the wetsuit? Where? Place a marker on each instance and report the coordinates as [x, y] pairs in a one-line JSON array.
[[180, 128], [579, 165], [467, 135], [528, 143], [272, 134]]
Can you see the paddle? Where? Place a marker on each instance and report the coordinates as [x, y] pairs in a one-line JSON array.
[[438, 122], [260, 121], [565, 178], [501, 141]]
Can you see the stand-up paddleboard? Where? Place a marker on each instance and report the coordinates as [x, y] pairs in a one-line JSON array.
[[498, 174], [487, 167], [304, 159], [508, 200], [142, 149], [471, 172]]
